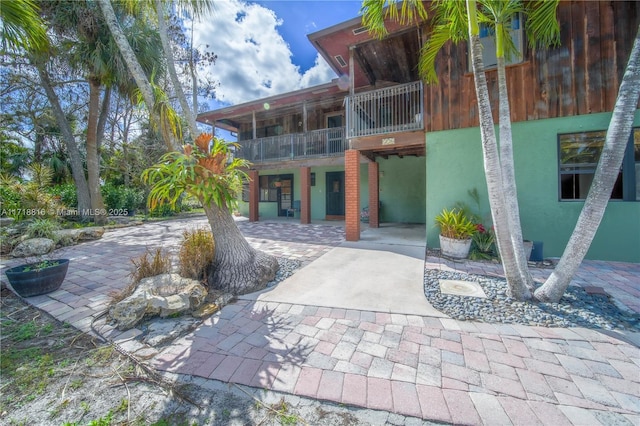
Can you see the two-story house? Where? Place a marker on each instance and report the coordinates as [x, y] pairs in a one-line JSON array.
[[378, 138]]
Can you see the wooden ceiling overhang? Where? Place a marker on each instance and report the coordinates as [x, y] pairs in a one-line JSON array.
[[377, 62], [401, 144]]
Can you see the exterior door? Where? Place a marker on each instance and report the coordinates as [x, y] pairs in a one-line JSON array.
[[335, 138], [285, 196], [335, 194]]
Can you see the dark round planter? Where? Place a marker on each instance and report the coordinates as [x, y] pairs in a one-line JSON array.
[[34, 282]]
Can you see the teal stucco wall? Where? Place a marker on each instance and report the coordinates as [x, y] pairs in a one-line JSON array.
[[454, 166], [402, 189]]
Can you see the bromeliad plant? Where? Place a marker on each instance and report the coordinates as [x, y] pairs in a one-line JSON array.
[[455, 224], [207, 170]]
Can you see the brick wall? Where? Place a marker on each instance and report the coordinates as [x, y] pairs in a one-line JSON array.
[[352, 194]]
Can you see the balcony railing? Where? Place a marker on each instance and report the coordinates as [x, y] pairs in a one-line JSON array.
[[392, 109], [315, 143]]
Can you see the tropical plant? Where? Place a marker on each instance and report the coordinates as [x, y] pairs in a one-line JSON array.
[[453, 223], [482, 243], [22, 27], [207, 171], [196, 253], [42, 228]]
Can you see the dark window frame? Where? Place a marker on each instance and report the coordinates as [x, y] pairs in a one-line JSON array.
[[625, 188]]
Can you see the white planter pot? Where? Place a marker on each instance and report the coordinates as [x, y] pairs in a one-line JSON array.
[[457, 249]]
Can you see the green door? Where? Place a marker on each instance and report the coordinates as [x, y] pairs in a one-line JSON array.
[[335, 193]]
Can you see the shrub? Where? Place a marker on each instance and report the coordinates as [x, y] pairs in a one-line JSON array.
[[196, 253], [67, 194], [10, 201], [151, 264], [42, 228]]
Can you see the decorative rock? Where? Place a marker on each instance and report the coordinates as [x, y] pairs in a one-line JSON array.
[[80, 234], [33, 247], [163, 295], [6, 221]]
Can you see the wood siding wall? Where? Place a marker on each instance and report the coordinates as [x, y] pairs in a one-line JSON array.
[[581, 76]]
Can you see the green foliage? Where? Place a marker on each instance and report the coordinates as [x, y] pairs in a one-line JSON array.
[[205, 170], [66, 193], [454, 223], [121, 197], [482, 245], [196, 253], [151, 264], [42, 228], [9, 199]]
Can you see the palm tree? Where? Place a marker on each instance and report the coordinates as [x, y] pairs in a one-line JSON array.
[[206, 172], [196, 9], [22, 27], [620, 128], [452, 22], [159, 110]]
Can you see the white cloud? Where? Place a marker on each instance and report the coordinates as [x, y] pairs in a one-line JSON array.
[[254, 61]]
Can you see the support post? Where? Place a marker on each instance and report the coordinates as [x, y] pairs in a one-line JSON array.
[[352, 194], [305, 195], [374, 195], [254, 195]]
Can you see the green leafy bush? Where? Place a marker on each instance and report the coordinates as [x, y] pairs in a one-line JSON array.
[[42, 228], [66, 193], [122, 197], [196, 253]]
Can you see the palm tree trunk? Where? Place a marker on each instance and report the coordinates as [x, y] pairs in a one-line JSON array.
[[177, 86], [93, 161], [132, 63], [77, 169], [509, 176], [517, 287], [605, 176], [237, 268]]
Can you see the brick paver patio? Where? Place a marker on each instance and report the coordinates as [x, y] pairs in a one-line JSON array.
[[437, 369]]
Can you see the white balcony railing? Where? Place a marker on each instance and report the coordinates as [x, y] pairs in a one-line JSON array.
[[315, 143], [392, 109]]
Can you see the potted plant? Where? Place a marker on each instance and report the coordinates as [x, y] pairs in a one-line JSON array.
[[456, 230], [33, 279]]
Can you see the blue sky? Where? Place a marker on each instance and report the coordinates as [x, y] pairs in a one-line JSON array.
[[262, 46]]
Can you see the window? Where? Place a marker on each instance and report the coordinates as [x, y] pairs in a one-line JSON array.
[[489, 44], [268, 188], [579, 154]]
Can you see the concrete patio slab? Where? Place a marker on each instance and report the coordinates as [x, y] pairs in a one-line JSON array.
[[383, 272]]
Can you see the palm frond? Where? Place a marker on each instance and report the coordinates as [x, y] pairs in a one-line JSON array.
[[542, 27]]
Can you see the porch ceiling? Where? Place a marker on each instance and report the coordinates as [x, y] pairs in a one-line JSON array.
[[392, 60]]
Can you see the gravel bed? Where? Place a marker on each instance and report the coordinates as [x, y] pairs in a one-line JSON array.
[[577, 308], [287, 268]]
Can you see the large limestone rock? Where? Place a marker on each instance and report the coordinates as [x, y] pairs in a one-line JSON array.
[[163, 295], [80, 234], [33, 247]]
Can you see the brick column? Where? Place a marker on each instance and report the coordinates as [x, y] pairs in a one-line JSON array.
[[352, 194], [254, 195], [374, 195], [305, 195]]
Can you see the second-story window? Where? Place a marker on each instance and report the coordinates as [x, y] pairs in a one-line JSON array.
[[487, 38]]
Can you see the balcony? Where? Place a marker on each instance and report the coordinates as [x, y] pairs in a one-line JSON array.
[[389, 110], [296, 146]]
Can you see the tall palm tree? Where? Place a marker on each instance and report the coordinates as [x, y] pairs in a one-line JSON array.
[[453, 22], [159, 110], [22, 27], [620, 127]]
